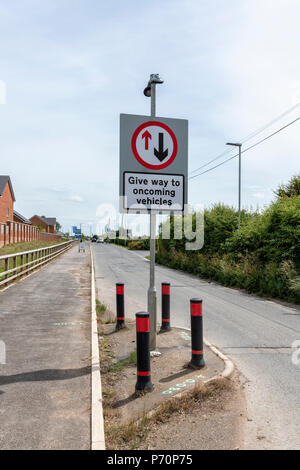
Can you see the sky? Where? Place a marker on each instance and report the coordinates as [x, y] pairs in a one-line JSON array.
[[68, 68]]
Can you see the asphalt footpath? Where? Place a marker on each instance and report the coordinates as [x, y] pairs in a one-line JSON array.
[[45, 382]]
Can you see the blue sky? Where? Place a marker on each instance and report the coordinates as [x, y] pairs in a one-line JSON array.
[[71, 67]]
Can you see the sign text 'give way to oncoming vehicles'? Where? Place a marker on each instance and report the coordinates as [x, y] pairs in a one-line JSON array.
[[153, 163]]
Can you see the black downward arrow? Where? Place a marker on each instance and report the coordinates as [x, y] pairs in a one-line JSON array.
[[161, 154]]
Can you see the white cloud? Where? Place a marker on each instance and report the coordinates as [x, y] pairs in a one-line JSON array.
[[76, 199], [259, 195]]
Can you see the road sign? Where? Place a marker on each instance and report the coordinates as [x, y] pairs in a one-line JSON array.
[[153, 191], [153, 163], [154, 145]]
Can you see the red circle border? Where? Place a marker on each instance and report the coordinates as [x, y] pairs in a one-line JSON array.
[[136, 154]]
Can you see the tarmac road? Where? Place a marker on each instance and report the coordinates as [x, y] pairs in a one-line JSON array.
[[256, 333], [45, 382]]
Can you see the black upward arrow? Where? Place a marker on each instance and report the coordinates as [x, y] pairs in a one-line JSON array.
[[161, 154]]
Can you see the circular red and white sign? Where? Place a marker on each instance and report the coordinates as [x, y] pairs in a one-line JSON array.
[[154, 145]]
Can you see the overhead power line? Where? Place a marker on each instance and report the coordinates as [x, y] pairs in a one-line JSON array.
[[247, 149], [249, 136]]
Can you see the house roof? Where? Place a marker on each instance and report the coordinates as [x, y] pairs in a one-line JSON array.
[[46, 220], [4, 179], [49, 220], [21, 217]]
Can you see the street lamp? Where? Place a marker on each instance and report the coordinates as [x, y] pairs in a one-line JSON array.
[[240, 179], [150, 92], [150, 89]]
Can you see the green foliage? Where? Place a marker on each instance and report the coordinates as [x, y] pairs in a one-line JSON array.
[[220, 222], [100, 307], [263, 259], [273, 235], [143, 244], [291, 189], [139, 244], [118, 366], [120, 241]]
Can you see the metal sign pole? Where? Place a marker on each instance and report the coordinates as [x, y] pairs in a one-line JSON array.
[[240, 185], [152, 179], [152, 299]]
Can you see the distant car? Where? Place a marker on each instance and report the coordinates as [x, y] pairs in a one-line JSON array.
[[100, 240]]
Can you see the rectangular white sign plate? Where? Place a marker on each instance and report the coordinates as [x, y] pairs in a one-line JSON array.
[[145, 191]]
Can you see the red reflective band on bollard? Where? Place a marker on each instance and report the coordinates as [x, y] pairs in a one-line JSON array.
[[120, 290], [142, 325], [144, 374], [196, 310], [197, 352], [165, 290]]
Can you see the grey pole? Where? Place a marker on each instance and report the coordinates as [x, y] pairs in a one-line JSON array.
[[240, 181], [240, 185], [152, 297], [150, 90]]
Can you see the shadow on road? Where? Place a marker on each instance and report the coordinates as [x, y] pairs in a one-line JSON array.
[[44, 375], [129, 399], [184, 372]]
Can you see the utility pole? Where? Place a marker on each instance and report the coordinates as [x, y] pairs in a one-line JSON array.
[[240, 180], [150, 91]]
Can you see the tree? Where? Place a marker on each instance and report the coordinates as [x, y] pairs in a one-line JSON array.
[[292, 189], [58, 226]]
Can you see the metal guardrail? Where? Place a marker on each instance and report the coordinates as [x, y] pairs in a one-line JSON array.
[[15, 267]]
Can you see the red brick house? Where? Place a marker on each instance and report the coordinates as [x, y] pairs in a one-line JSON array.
[[21, 219], [47, 224], [14, 227], [7, 199]]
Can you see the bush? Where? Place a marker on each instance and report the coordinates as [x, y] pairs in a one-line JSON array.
[[263, 259], [143, 244], [139, 244], [274, 235]]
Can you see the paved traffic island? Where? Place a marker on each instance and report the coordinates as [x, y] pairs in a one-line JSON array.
[[187, 409], [45, 383]]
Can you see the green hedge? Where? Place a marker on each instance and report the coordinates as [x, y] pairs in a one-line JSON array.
[[263, 259], [143, 244]]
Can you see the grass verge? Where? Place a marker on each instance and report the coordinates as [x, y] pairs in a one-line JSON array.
[[120, 435], [132, 435], [104, 316], [20, 248], [25, 246]]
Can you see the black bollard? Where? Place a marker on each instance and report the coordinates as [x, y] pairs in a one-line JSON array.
[[165, 307], [143, 383], [120, 306], [197, 361]]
